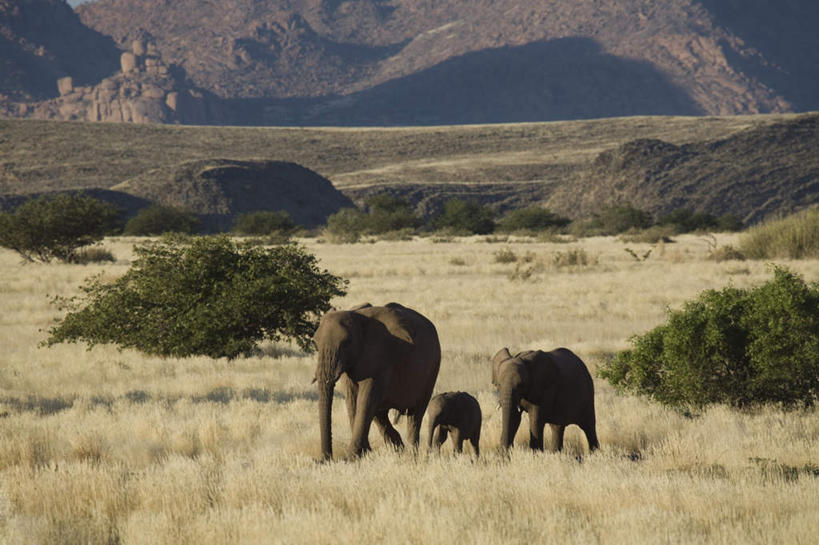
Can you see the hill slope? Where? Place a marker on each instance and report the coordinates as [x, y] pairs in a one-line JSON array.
[[715, 164], [218, 190], [754, 174], [331, 61]]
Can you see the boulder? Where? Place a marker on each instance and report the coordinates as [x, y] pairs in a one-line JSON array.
[[128, 61], [65, 85]]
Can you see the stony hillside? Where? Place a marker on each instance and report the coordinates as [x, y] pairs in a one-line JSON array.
[[395, 62], [42, 41], [754, 166], [218, 190], [757, 173], [404, 61]]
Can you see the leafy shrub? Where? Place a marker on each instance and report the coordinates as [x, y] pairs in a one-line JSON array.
[[469, 217], [795, 236], [346, 225], [54, 227], [264, 223], [734, 346], [685, 220], [614, 220], [158, 219], [385, 215], [212, 297], [533, 218]]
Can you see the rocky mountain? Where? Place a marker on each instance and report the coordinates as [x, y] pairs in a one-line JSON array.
[[392, 62], [218, 190], [757, 173]]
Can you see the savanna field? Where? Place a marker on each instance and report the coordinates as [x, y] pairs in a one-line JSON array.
[[108, 446]]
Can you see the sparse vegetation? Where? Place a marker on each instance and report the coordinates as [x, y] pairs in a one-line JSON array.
[[734, 346], [157, 219], [55, 227], [213, 297], [794, 237]]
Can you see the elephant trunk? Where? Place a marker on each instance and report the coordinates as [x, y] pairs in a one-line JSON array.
[[509, 407], [326, 377]]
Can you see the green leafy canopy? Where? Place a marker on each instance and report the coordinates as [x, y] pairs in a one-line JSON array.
[[213, 297], [734, 346]]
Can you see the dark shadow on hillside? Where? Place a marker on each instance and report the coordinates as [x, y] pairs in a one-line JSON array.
[[570, 78], [50, 42], [786, 34]]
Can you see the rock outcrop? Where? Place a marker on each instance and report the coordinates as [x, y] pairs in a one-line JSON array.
[[145, 90], [218, 190]]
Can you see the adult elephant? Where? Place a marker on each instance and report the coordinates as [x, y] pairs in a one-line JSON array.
[[389, 357], [554, 388]]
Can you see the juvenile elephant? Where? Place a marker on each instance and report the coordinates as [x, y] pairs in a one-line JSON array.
[[456, 413], [554, 388], [389, 357]]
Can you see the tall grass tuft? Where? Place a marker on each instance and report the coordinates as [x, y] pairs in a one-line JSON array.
[[795, 237]]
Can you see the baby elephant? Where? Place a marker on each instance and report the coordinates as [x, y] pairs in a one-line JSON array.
[[457, 413]]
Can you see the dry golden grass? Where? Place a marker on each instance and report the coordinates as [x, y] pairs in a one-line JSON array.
[[115, 447]]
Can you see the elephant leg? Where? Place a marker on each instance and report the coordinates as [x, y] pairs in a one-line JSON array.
[[414, 424], [439, 437], [536, 425], [366, 403], [514, 424], [591, 435], [352, 394], [458, 440], [557, 437], [391, 435], [475, 440]]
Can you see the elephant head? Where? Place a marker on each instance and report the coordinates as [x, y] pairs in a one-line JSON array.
[[354, 344], [526, 376]]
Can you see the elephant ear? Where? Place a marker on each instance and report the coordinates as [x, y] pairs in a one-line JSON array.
[[383, 346], [501, 356], [544, 377]]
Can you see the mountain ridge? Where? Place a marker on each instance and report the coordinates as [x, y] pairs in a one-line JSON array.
[[324, 62]]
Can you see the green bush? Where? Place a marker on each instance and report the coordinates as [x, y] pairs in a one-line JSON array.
[[734, 346], [469, 217], [685, 220], [386, 216], [346, 225], [158, 219], [532, 218], [795, 237], [54, 227], [212, 297], [264, 223], [613, 220]]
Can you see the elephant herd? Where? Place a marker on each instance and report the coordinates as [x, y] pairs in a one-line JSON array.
[[388, 358]]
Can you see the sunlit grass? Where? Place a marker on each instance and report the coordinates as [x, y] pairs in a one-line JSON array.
[[106, 447]]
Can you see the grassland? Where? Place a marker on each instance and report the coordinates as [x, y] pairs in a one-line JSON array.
[[115, 447]]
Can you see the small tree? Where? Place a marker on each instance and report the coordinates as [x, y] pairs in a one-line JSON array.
[[533, 218], [213, 297], [158, 219], [734, 346], [685, 220], [264, 223], [54, 227], [614, 220], [387, 213], [466, 216], [347, 225]]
